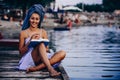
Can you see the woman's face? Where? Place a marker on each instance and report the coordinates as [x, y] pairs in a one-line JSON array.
[[34, 20]]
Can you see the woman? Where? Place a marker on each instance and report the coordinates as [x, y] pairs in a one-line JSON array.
[[36, 58]]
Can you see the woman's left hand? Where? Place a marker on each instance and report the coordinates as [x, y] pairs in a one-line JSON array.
[[35, 36]]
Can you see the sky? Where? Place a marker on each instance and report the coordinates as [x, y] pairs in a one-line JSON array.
[[74, 2]]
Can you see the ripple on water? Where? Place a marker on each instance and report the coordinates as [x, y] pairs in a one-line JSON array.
[[93, 53]]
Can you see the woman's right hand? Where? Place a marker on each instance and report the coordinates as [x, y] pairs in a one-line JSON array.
[[23, 50]]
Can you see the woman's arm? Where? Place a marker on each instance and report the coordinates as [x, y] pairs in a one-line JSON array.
[[22, 47], [44, 34]]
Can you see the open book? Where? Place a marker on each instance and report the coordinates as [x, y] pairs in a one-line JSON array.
[[35, 42]]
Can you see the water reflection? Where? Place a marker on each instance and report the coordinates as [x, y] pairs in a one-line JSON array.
[[93, 53]]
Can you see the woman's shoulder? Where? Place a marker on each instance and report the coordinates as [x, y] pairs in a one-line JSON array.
[[43, 30], [23, 32]]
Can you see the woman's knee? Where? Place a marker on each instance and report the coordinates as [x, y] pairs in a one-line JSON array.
[[62, 54], [41, 45]]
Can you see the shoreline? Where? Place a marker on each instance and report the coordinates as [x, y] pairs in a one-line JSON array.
[[11, 29]]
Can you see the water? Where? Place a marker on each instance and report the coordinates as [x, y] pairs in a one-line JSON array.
[[93, 52]]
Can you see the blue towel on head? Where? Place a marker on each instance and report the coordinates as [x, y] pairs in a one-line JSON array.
[[35, 8]]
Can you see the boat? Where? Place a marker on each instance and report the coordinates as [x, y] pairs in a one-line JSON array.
[[10, 58], [61, 29]]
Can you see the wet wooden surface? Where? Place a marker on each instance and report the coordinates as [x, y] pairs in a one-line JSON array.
[[8, 69], [9, 42]]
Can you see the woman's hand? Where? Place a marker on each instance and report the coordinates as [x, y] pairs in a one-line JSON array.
[[23, 50], [35, 36]]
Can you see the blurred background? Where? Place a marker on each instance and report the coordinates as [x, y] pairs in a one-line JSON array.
[[93, 43]]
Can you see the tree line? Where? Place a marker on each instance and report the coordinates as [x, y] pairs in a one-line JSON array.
[[106, 6], [25, 4]]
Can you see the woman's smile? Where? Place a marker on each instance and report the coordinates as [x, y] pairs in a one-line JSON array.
[[34, 20]]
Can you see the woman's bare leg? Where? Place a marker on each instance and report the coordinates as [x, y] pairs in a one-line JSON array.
[[47, 63], [43, 54], [59, 56]]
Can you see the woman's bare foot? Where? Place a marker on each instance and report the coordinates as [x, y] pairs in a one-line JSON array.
[[54, 73], [31, 69]]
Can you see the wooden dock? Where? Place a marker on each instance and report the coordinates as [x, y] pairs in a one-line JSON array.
[[8, 68]]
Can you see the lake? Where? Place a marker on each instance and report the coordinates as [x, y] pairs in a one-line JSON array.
[[93, 52]]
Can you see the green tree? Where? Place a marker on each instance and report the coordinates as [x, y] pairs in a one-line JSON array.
[[25, 4], [111, 5], [89, 8]]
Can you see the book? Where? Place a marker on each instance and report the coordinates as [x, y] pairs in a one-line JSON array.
[[35, 42]]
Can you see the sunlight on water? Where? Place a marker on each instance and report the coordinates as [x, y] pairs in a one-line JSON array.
[[93, 52]]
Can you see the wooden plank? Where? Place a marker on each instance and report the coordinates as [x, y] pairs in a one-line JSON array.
[[63, 73], [26, 79], [9, 42], [8, 71]]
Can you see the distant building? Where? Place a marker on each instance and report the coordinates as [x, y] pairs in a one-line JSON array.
[[55, 6]]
